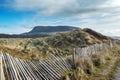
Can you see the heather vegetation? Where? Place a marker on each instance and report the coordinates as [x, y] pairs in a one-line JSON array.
[[64, 42]]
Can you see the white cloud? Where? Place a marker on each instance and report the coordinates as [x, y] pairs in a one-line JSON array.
[[56, 6], [111, 3], [66, 7], [101, 15]]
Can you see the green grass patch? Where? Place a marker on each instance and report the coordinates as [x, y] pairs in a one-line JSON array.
[[113, 69]]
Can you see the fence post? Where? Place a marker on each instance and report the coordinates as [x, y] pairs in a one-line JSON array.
[[74, 61], [1, 67], [111, 44]]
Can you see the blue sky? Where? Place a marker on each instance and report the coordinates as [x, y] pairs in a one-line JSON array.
[[18, 16]]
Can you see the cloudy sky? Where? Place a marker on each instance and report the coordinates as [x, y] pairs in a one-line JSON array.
[[18, 16]]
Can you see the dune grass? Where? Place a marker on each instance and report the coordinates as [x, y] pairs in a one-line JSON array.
[[101, 66]]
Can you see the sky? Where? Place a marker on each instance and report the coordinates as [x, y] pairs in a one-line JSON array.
[[19, 16]]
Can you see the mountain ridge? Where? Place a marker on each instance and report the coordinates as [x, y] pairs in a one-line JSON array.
[[50, 29], [40, 31]]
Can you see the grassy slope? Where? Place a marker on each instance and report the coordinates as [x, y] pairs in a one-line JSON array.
[[35, 48]]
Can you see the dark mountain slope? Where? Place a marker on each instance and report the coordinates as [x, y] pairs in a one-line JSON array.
[[95, 34], [49, 29]]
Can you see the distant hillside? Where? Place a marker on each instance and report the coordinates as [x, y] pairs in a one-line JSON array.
[[116, 37], [40, 31], [22, 35], [34, 48], [51, 29]]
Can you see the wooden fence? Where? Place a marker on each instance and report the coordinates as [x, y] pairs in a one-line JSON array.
[[87, 52], [2, 77], [51, 68]]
